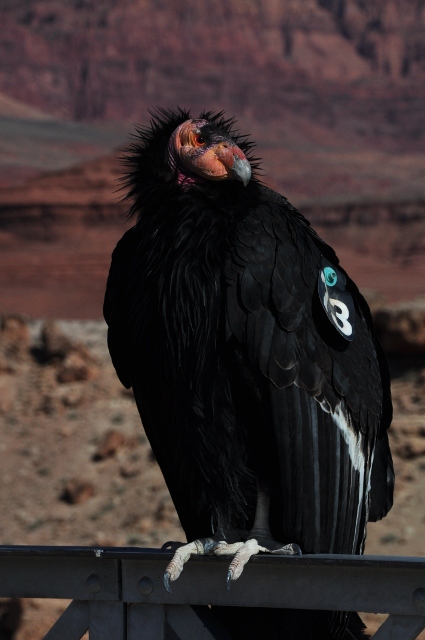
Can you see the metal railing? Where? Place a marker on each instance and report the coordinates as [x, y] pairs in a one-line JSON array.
[[117, 593]]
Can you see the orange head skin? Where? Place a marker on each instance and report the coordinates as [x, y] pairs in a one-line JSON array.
[[197, 149]]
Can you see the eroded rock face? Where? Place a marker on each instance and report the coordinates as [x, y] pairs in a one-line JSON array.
[[109, 60]]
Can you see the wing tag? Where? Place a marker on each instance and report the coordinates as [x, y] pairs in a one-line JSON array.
[[336, 301]]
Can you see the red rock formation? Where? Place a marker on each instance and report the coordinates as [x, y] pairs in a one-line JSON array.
[[347, 64], [56, 239], [57, 233]]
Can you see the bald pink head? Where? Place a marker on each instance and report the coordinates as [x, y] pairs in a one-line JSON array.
[[197, 149]]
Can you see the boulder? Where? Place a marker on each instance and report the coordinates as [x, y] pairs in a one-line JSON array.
[[401, 328]]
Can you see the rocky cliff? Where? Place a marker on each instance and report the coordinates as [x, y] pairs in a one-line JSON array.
[[349, 65], [58, 231]]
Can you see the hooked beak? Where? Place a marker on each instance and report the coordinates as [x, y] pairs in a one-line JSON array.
[[235, 162], [241, 170]]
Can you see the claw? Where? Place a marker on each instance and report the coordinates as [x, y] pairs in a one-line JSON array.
[[180, 557], [243, 552], [166, 580], [229, 580]]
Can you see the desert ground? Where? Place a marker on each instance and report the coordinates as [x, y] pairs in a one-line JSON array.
[[77, 469]]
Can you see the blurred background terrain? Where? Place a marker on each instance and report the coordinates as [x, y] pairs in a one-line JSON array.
[[333, 92]]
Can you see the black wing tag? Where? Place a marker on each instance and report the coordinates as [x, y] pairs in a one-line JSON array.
[[336, 301]]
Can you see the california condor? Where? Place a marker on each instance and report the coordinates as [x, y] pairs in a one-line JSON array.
[[256, 370]]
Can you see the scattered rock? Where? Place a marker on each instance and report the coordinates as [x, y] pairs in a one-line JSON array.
[[129, 470], [74, 361], [78, 366], [401, 328], [412, 447], [6, 366], [71, 396], [410, 427], [113, 441], [391, 538], [14, 339], [56, 345], [77, 491], [165, 512], [8, 393]]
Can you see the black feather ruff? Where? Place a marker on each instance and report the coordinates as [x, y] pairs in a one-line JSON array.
[[149, 179]]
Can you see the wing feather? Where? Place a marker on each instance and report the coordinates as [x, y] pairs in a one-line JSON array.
[[326, 395]]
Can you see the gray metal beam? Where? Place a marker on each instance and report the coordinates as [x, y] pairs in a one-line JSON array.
[[72, 624], [153, 622], [400, 628], [109, 578], [79, 578], [145, 622], [107, 621], [194, 622], [388, 587]]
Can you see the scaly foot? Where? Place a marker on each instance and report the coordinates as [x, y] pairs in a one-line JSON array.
[[202, 546], [242, 552], [252, 547]]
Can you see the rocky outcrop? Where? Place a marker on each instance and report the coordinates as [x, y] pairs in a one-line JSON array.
[[401, 328], [62, 204], [392, 230], [57, 233]]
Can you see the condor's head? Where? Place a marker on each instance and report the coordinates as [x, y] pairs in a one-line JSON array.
[[177, 153], [199, 148]]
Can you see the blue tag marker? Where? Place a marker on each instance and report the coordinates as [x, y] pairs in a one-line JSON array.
[[336, 301], [330, 276]]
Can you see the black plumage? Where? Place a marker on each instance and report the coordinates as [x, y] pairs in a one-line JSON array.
[[215, 321]]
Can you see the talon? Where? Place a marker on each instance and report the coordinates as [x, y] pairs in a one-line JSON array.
[[166, 581], [229, 580], [180, 557]]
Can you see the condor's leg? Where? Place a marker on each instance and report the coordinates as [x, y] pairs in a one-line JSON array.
[[258, 539]]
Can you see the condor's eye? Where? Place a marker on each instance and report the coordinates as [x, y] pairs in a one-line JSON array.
[[199, 140]]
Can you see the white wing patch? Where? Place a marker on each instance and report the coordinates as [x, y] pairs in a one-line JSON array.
[[354, 442]]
